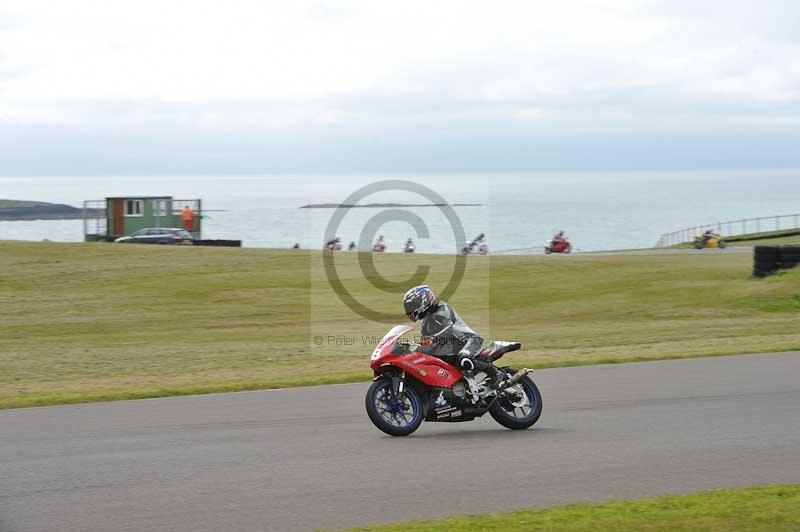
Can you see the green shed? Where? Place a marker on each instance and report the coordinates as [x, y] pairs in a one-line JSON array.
[[105, 220]]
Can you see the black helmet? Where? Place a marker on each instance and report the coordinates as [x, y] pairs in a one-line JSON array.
[[418, 301]]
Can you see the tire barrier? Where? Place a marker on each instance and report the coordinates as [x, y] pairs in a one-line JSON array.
[[790, 256], [769, 259], [219, 243]]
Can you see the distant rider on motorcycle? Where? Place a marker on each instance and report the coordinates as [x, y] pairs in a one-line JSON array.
[[333, 245], [560, 237], [379, 245], [444, 334]]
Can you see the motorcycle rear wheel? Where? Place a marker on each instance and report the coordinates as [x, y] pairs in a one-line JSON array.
[[398, 418], [516, 418]]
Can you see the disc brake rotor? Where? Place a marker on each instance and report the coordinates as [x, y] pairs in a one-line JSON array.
[[519, 398]]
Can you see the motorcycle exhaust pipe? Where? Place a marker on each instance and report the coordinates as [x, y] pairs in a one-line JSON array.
[[518, 376]]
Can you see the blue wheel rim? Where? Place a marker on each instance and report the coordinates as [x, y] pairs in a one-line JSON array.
[[398, 414], [527, 411]]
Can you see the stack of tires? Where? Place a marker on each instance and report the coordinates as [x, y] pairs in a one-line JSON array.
[[790, 256], [769, 259]]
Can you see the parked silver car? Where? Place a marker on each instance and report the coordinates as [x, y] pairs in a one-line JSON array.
[[158, 235]]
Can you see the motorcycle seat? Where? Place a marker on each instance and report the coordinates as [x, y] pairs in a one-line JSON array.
[[497, 349]]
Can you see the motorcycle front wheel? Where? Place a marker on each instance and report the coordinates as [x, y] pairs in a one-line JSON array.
[[518, 412], [395, 416]]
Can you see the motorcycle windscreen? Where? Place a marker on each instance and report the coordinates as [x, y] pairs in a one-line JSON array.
[[394, 332]]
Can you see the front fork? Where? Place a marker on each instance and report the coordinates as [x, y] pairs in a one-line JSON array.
[[398, 386]]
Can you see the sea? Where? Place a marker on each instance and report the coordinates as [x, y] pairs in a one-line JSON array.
[[516, 212]]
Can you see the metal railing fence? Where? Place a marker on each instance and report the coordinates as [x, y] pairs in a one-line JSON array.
[[732, 227]]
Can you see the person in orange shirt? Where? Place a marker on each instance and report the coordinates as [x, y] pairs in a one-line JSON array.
[[188, 218]]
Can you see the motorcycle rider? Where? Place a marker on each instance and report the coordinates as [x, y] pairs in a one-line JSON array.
[[560, 237], [475, 245], [444, 334]]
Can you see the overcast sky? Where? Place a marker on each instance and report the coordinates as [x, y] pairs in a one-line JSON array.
[[259, 87]]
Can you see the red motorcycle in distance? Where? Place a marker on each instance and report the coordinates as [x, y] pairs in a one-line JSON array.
[[557, 246], [411, 387]]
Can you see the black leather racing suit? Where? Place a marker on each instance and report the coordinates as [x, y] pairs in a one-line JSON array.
[[453, 339]]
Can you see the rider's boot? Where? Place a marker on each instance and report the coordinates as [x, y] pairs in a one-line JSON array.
[[495, 374], [470, 364]]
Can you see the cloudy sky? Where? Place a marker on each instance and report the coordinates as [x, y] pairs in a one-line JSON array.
[[259, 87]]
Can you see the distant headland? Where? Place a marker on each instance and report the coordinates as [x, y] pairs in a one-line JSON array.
[[384, 205], [14, 210]]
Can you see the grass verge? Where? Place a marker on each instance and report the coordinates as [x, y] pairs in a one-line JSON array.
[[767, 509], [97, 322]]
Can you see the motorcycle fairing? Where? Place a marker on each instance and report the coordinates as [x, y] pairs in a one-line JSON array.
[[443, 407], [427, 369]]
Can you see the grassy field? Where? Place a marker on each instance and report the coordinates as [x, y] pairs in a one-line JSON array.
[[767, 509], [90, 322]]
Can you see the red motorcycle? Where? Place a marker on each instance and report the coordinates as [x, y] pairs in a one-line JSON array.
[[557, 246], [411, 387]]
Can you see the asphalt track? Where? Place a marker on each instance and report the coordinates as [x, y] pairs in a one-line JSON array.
[[303, 458]]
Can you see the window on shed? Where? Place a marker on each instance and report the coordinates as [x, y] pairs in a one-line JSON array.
[[134, 207]]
